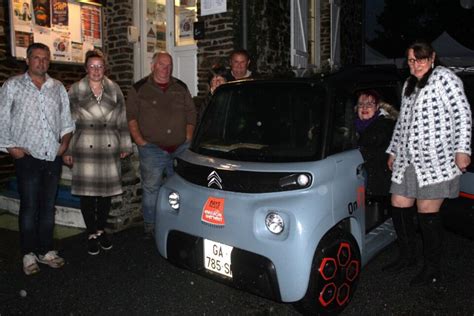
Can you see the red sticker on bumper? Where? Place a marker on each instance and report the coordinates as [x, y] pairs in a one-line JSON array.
[[213, 211]]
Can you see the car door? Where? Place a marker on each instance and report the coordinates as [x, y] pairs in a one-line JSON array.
[[349, 179]]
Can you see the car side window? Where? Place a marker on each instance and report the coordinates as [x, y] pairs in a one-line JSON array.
[[342, 134]]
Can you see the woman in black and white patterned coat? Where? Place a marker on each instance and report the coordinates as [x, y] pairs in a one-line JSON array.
[[101, 139], [429, 150]]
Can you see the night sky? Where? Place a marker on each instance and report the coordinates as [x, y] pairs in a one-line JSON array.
[[392, 25]]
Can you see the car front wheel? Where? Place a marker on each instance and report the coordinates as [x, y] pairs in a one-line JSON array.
[[334, 275]]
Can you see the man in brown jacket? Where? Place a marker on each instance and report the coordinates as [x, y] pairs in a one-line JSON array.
[[161, 118]]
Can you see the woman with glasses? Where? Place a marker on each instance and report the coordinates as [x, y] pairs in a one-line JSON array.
[[216, 77], [101, 139], [374, 125], [429, 150]]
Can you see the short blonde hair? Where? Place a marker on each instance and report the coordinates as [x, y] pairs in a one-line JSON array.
[[94, 53]]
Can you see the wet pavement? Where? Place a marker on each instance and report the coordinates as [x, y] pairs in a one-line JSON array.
[[133, 279]]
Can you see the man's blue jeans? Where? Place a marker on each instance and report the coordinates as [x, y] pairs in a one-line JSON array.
[[37, 185], [155, 163]]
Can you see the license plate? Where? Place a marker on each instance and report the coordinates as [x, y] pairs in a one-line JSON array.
[[217, 257]]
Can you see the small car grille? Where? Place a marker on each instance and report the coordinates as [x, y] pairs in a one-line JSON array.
[[237, 181]]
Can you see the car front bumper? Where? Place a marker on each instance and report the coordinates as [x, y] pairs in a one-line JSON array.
[[251, 272]]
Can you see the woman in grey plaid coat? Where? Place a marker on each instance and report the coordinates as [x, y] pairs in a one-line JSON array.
[[101, 139]]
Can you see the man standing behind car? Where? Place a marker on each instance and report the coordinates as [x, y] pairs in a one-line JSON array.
[[239, 65], [161, 118], [35, 129]]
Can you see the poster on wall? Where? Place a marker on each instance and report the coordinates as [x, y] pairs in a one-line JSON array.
[[185, 16], [213, 7], [156, 34], [43, 35], [60, 13], [22, 41], [160, 13], [155, 11], [22, 14], [69, 28], [77, 55], [160, 37], [61, 46], [186, 19], [161, 32], [150, 39], [42, 13], [74, 17], [91, 25]]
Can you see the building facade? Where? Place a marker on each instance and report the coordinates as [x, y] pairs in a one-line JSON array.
[[283, 37]]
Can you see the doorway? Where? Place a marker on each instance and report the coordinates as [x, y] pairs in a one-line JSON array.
[[166, 25]]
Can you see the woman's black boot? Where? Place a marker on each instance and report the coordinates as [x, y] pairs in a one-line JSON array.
[[432, 231], [405, 228]]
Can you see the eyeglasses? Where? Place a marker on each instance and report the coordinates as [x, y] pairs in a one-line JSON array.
[[98, 66], [421, 61], [366, 105]]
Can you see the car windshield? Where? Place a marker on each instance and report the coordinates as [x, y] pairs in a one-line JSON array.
[[263, 122]]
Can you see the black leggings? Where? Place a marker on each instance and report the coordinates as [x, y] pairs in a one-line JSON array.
[[95, 210]]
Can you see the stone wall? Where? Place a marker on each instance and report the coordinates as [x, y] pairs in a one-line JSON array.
[[126, 209], [268, 34], [118, 16], [215, 47], [325, 33], [351, 33]]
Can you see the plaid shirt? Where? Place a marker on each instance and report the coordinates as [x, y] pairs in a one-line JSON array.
[[34, 119]]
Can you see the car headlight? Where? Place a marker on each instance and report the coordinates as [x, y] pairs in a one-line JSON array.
[[173, 200], [303, 180], [296, 181], [274, 223]]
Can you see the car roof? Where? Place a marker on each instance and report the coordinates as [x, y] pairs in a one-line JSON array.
[[346, 78], [368, 73]]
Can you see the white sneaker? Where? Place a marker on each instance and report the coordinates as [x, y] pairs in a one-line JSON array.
[[52, 259], [30, 266]]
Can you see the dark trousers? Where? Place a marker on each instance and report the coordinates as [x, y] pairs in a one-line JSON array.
[[95, 210], [37, 185]]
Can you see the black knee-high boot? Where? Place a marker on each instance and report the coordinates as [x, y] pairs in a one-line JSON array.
[[405, 228], [432, 230]]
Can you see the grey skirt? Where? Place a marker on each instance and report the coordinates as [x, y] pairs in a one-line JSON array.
[[409, 187]]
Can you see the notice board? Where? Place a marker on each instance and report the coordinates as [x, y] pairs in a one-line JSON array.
[[69, 28]]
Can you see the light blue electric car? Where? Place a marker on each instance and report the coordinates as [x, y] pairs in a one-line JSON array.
[[458, 214], [270, 198]]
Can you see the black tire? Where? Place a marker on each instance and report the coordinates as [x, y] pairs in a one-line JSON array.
[[334, 275]]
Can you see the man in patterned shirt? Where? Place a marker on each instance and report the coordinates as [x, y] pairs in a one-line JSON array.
[[35, 128]]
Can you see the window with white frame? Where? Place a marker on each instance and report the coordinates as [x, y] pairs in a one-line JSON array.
[[305, 34], [314, 33], [299, 34]]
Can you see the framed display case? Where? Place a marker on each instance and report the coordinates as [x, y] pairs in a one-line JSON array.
[[69, 28]]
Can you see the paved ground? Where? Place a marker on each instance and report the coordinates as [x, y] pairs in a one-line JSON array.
[[132, 279]]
